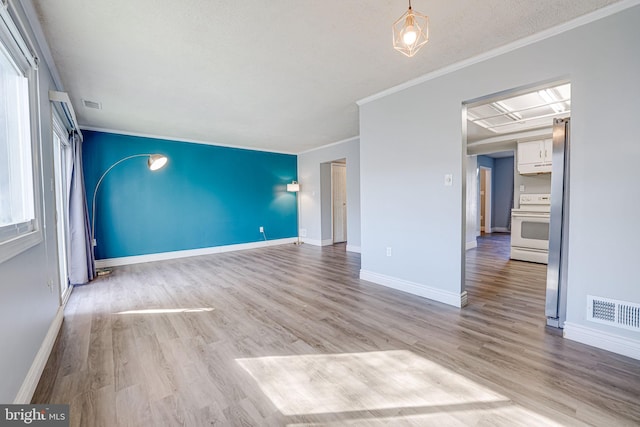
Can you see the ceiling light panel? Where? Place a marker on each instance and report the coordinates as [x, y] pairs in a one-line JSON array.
[[527, 111]]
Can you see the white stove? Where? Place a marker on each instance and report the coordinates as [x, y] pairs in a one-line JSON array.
[[530, 228]]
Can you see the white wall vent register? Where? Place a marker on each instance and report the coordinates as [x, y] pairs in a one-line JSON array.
[[612, 312], [92, 104]]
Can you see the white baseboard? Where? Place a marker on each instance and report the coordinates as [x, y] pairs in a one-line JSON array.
[[39, 362], [163, 256], [596, 338], [472, 244], [352, 248], [500, 230], [451, 298], [316, 242]]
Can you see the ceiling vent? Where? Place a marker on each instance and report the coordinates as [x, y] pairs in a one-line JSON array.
[[92, 104], [612, 312]]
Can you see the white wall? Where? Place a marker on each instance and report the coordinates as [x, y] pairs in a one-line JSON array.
[[27, 304], [309, 166], [411, 138]]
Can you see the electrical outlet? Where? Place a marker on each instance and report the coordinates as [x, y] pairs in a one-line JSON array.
[[261, 229], [389, 251], [303, 232]]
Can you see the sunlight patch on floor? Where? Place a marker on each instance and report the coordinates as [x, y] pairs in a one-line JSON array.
[[334, 383], [508, 416], [166, 310]]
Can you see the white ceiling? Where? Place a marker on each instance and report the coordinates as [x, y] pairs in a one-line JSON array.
[[281, 75]]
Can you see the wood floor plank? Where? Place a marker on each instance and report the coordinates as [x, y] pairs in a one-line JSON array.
[[225, 339]]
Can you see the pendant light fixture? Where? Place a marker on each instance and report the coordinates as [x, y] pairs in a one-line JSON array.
[[410, 32]]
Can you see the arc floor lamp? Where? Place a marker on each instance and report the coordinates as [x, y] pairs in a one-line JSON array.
[[155, 162]]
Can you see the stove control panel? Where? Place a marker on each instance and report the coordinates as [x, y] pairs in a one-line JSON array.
[[535, 199]]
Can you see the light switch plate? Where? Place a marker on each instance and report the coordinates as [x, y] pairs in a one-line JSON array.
[[521, 187], [448, 180]]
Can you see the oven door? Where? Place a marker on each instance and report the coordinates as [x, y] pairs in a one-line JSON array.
[[530, 230]]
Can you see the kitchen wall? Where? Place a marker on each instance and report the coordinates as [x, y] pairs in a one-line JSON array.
[[29, 283], [411, 138], [531, 184], [207, 196], [502, 180], [315, 196]]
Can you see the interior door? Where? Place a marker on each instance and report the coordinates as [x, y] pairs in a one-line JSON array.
[[339, 202]]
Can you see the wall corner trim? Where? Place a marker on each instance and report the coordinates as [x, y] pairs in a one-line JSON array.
[[40, 361], [471, 244], [352, 248], [464, 300], [163, 256], [451, 298], [596, 338]]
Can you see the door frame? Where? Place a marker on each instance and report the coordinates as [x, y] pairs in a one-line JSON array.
[[487, 198], [564, 228], [61, 213], [342, 165]]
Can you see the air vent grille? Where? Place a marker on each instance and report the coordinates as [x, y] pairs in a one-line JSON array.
[[92, 104], [613, 312]]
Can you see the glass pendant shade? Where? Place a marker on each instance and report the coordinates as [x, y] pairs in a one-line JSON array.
[[410, 32]]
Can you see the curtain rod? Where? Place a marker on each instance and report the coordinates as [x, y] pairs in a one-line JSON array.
[[63, 99]]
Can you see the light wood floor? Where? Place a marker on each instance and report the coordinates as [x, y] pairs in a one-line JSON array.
[[290, 336]]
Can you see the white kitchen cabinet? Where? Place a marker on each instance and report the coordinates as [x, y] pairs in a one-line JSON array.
[[535, 156]]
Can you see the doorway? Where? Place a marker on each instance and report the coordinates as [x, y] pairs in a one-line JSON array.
[[61, 157], [512, 121], [485, 200], [333, 202], [339, 202]]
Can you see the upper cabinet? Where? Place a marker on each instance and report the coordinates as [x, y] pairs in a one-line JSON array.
[[535, 156]]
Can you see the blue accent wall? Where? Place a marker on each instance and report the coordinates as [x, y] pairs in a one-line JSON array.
[[205, 196], [485, 161]]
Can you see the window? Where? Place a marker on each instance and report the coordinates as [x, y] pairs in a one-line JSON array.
[[18, 208]]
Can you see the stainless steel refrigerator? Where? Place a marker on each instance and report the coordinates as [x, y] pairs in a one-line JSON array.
[[556, 302]]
